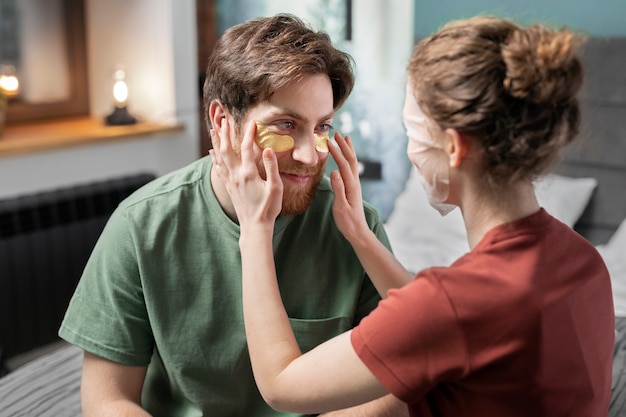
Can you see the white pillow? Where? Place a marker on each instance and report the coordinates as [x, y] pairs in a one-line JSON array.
[[563, 197], [421, 238], [613, 255]]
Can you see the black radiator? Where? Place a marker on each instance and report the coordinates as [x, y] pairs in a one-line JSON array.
[[45, 241]]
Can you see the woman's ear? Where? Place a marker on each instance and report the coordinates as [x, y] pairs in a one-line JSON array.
[[457, 147]]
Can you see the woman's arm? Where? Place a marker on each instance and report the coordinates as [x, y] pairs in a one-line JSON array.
[[329, 377], [381, 265]]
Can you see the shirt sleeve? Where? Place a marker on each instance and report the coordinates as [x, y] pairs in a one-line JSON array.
[[413, 339], [107, 314]]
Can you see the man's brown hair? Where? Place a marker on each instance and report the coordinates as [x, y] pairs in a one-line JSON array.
[[256, 58]]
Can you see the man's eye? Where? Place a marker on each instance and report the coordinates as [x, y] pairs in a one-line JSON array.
[[325, 128]]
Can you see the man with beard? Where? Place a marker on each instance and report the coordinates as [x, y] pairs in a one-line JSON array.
[[158, 308]]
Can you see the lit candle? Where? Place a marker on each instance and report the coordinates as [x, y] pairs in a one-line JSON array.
[[9, 84], [120, 114], [120, 89]]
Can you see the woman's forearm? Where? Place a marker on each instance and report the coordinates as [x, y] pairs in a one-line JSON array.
[[288, 380], [271, 341], [382, 267]]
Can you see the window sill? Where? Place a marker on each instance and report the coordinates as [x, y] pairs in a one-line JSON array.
[[42, 136]]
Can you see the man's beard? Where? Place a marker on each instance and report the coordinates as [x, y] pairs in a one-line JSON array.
[[296, 199]]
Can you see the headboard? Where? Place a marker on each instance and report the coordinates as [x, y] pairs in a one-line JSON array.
[[600, 150]]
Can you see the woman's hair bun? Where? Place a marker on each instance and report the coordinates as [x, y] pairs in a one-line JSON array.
[[542, 65]]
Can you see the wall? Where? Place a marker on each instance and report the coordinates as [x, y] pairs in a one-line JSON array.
[[156, 42], [597, 18], [37, 62]]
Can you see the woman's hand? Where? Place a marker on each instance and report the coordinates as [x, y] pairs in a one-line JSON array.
[[348, 205], [381, 266], [257, 202]]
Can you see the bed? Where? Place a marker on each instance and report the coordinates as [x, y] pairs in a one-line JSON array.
[[587, 192]]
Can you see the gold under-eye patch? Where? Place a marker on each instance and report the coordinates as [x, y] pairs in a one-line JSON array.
[[265, 138], [321, 143]]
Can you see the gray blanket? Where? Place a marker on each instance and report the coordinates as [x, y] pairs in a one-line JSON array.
[[49, 386], [46, 387]]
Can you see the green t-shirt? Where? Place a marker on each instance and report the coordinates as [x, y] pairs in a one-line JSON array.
[[163, 288]]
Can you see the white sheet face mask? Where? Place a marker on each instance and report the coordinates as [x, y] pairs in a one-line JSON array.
[[428, 156]]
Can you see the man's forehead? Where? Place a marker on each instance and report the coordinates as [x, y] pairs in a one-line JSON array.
[[309, 97]]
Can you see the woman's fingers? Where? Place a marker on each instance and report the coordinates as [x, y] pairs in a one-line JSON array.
[[271, 168], [247, 147], [225, 158], [338, 187], [348, 152], [341, 155], [253, 198], [273, 181], [216, 153], [348, 165]]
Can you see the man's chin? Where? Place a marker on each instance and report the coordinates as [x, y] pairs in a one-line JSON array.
[[296, 200], [298, 197], [295, 204]]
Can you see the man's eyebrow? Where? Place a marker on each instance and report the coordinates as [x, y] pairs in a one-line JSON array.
[[296, 115]]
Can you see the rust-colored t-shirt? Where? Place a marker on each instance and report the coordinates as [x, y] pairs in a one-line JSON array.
[[522, 325]]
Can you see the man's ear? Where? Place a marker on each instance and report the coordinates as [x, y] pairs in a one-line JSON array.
[[217, 114], [457, 147]]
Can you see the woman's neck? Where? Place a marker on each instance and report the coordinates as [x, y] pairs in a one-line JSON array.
[[482, 211]]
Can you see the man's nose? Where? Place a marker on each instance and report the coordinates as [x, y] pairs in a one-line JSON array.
[[304, 150]]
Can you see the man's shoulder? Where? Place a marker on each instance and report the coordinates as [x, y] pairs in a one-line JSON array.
[[169, 186]]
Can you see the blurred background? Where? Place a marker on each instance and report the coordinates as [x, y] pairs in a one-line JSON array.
[[65, 54]]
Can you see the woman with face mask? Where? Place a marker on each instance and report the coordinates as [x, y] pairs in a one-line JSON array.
[[522, 325]]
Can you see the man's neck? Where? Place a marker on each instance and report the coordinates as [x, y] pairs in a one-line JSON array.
[[222, 196]]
